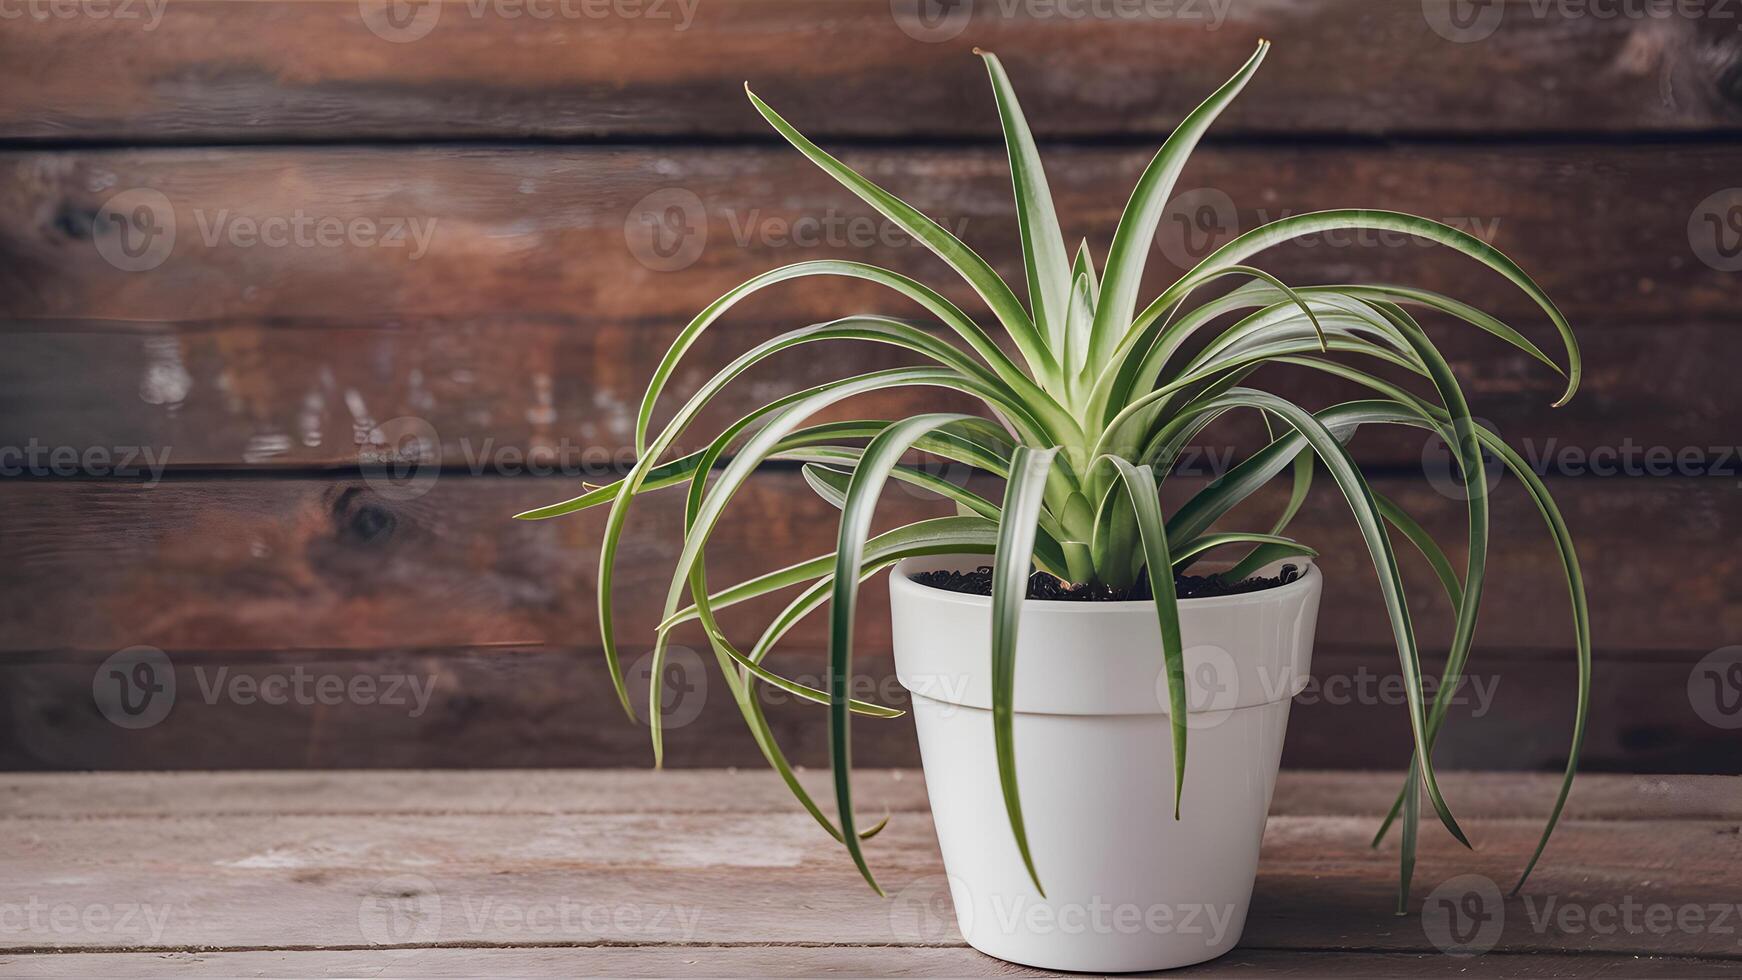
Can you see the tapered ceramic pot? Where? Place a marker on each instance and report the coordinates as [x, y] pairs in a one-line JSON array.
[[1127, 886]]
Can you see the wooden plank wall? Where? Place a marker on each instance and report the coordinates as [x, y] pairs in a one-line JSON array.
[[252, 241]]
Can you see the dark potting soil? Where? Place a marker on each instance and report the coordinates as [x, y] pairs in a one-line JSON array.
[[1044, 586]]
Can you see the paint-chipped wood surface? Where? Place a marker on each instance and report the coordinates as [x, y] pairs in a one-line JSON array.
[[294, 69], [717, 873]]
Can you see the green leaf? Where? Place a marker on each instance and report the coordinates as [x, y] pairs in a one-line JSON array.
[[981, 451], [1445, 304], [1270, 548], [1126, 374], [852, 328], [1136, 234], [831, 485], [1359, 496], [1079, 322], [1022, 501], [1140, 489], [946, 246], [1043, 247], [1318, 222], [1265, 554], [1417, 535], [866, 486], [925, 296], [937, 536], [769, 677]]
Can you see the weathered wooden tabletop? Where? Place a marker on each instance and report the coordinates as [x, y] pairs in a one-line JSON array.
[[712, 873]]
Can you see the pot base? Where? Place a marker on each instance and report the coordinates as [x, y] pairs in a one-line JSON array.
[[1128, 888]]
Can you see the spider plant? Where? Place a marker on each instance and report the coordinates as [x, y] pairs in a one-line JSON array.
[[1084, 419]]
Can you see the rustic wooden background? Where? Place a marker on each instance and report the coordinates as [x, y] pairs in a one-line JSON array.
[[578, 182]]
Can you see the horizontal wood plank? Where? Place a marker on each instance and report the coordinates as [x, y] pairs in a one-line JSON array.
[[661, 962], [220, 883], [322, 71], [217, 563], [803, 961], [509, 396], [384, 236], [411, 792], [496, 707]]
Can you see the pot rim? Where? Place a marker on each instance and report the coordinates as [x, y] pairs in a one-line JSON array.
[[900, 578]]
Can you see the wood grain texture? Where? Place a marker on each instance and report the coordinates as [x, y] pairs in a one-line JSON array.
[[238, 563], [759, 962], [317, 71], [507, 395], [653, 235], [519, 707], [692, 866], [409, 792], [572, 188]]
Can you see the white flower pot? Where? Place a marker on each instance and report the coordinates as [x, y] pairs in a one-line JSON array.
[[1128, 887]]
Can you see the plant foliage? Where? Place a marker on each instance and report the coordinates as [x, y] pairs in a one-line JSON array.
[[1082, 425]]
